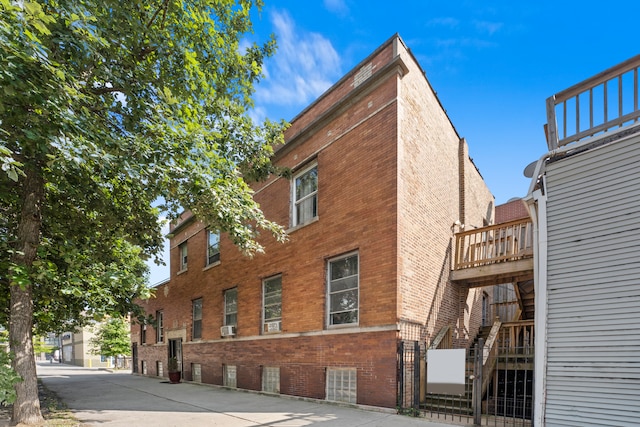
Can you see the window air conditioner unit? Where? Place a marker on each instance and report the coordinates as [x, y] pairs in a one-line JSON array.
[[273, 326], [228, 331]]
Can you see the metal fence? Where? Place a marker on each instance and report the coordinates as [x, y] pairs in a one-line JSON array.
[[409, 361], [499, 393]]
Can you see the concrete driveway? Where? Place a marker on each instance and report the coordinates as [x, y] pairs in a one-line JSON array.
[[99, 397]]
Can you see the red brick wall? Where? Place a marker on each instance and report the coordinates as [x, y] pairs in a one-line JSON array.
[[432, 164], [391, 199], [510, 211], [357, 208], [302, 360]]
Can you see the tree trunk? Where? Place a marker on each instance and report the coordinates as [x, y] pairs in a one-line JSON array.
[[26, 409]]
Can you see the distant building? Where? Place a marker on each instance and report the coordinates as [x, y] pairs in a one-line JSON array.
[[77, 350]]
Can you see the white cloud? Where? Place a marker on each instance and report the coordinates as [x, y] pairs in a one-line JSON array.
[[488, 27], [339, 7], [443, 22], [303, 67]]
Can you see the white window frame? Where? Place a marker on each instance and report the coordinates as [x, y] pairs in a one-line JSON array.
[[331, 292], [184, 252], [295, 221], [227, 313], [197, 301], [159, 326], [265, 305], [216, 255]]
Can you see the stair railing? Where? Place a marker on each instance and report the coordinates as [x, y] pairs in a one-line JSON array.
[[490, 354]]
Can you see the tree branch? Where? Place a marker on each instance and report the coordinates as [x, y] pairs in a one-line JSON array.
[[163, 7]]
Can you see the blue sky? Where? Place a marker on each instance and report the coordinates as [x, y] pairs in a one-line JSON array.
[[492, 63]]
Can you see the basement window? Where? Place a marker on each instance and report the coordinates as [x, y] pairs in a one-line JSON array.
[[271, 379], [229, 376], [342, 385]]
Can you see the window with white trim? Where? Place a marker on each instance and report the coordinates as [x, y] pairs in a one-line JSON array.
[[196, 330], [342, 385], [183, 256], [231, 307], [272, 304], [305, 195], [213, 247], [342, 289], [159, 326]]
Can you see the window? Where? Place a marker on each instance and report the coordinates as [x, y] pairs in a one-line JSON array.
[[231, 306], [229, 378], [272, 304], [343, 290], [271, 379], [159, 326], [183, 256], [196, 372], [143, 333], [213, 247], [305, 196], [196, 332], [342, 385]]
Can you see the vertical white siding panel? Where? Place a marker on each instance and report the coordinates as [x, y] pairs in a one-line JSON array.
[[593, 286]]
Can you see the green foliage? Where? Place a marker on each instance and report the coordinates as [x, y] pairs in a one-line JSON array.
[[40, 347], [107, 107], [112, 338], [172, 364], [8, 377]]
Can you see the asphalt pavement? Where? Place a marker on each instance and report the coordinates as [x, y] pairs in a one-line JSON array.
[[118, 399]]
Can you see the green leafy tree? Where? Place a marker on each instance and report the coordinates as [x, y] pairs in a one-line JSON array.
[[39, 346], [112, 338], [8, 377], [107, 106]]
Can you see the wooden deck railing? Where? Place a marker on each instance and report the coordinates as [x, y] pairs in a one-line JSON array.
[[594, 105], [509, 241], [516, 338]]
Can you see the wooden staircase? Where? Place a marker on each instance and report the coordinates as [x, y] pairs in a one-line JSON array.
[[526, 298]]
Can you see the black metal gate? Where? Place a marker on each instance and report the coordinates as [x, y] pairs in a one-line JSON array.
[[499, 384], [408, 364]]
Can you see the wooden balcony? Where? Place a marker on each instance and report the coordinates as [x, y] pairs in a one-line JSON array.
[[594, 106], [501, 253]]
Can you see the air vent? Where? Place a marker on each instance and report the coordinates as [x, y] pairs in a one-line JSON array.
[[273, 326]]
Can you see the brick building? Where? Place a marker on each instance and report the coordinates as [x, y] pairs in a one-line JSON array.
[[380, 180]]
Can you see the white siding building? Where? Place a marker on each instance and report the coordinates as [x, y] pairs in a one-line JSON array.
[[585, 203]]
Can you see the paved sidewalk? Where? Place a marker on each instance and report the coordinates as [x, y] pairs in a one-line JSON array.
[[99, 397]]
